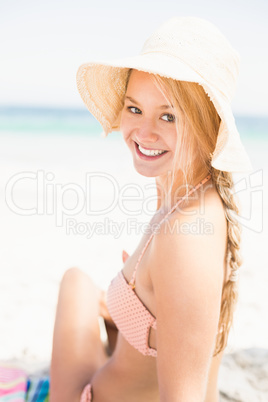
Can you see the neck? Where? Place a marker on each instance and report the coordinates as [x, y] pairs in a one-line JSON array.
[[169, 193]]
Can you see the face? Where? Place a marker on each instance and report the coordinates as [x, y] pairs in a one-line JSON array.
[[148, 126]]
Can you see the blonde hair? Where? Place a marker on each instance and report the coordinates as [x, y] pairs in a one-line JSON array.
[[197, 127]]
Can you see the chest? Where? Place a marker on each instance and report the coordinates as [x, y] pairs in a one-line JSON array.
[[143, 283], [139, 266]]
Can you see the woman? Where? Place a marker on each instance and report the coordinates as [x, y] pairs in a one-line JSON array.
[[168, 312]]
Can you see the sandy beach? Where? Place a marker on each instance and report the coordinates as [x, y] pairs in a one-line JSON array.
[[60, 208]]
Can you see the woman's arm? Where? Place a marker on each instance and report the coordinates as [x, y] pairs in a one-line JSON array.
[[187, 276]]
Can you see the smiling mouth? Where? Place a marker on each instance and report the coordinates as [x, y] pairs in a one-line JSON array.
[[149, 154]]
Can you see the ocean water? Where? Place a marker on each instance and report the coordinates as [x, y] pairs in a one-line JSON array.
[[64, 202], [47, 120], [80, 121]]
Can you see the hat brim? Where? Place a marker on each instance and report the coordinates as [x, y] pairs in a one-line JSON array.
[[101, 85]]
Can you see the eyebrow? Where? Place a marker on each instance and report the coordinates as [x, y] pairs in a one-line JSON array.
[[137, 103]]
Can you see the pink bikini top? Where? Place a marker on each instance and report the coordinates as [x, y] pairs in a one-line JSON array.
[[130, 315]]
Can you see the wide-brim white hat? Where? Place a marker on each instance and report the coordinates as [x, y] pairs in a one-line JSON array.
[[184, 49]]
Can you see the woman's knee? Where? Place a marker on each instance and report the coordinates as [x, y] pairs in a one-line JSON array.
[[72, 274], [75, 276], [78, 285]]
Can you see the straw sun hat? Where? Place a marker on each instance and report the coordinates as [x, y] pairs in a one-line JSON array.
[[185, 49]]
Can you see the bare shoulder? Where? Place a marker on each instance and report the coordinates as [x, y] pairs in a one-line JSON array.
[[194, 236]]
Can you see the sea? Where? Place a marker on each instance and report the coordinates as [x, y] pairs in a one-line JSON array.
[[69, 121]]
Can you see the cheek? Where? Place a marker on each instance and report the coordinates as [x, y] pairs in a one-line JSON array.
[[171, 139], [174, 141]]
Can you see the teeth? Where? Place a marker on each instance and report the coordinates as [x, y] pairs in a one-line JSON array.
[[149, 152]]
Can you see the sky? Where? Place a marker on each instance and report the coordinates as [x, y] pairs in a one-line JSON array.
[[42, 44]]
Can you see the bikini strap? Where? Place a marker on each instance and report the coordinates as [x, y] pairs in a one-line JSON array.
[[132, 281]]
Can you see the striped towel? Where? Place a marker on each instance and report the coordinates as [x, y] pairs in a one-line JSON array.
[[37, 389], [13, 384]]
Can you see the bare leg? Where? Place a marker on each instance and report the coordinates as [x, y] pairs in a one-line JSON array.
[[77, 348]]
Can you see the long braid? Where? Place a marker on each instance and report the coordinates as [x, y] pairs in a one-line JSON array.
[[224, 185]]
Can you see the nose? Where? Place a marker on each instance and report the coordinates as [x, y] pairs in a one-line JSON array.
[[146, 132]]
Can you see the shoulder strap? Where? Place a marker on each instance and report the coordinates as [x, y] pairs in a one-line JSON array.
[[132, 281]]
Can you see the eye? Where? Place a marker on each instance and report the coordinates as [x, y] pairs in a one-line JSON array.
[[168, 117], [134, 110]]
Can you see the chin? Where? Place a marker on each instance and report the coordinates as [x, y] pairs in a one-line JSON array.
[[146, 172]]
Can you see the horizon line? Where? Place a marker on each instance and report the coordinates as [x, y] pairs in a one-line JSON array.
[[5, 107]]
